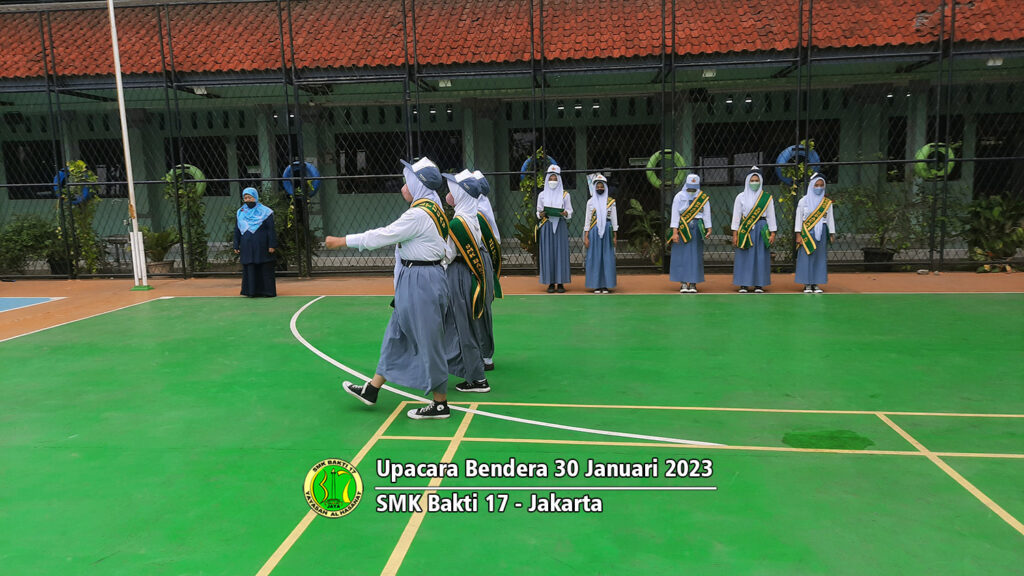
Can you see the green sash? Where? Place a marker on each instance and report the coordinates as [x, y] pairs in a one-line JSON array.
[[748, 222], [436, 214], [470, 252], [806, 239], [494, 249], [691, 212], [593, 217]]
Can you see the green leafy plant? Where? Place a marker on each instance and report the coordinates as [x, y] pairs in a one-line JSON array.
[[189, 195], [884, 213], [526, 213], [158, 244], [645, 233], [27, 237], [85, 244], [994, 231]]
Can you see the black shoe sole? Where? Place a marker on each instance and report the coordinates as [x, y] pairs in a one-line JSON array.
[[361, 399], [488, 367]]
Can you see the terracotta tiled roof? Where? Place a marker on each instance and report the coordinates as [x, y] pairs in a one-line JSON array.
[[346, 34]]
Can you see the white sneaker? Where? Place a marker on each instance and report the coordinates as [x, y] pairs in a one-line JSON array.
[[808, 289], [604, 290], [818, 290], [743, 290], [598, 291], [693, 289], [758, 290], [683, 289]]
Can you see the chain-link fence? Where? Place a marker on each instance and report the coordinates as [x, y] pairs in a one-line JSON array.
[[911, 110]]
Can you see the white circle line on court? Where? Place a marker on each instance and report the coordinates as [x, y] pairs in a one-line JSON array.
[[403, 393]]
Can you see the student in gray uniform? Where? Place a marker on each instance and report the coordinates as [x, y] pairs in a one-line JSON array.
[[691, 224], [753, 233], [414, 352], [554, 209], [467, 282], [492, 259], [813, 213], [600, 232]]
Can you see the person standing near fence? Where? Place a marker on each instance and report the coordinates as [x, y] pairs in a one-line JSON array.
[[813, 214], [492, 262], [414, 352], [691, 224], [255, 242], [753, 233], [597, 238], [467, 282], [554, 209]]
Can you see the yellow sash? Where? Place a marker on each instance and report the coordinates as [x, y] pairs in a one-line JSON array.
[[691, 212], [806, 239], [436, 214]]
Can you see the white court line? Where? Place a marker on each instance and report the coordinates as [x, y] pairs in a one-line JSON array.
[[80, 319], [363, 377]]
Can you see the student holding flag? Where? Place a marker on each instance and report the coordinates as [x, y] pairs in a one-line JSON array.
[[753, 232], [414, 352], [597, 238], [691, 224], [467, 281], [492, 264], [813, 213]]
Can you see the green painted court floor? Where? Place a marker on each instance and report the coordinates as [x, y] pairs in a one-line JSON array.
[[173, 437]]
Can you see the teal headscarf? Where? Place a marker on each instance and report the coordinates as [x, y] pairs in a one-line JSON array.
[[250, 219]]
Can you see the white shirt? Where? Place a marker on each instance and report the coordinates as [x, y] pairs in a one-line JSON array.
[[609, 214], [745, 203], [414, 230], [804, 208], [679, 205]]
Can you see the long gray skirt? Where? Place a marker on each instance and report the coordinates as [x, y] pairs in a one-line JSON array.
[[753, 266], [554, 253], [413, 352], [487, 342], [600, 262], [688, 257], [468, 360], [813, 268]]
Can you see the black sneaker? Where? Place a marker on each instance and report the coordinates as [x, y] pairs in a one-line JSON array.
[[480, 386], [560, 289], [366, 394], [551, 288], [432, 411], [488, 366]]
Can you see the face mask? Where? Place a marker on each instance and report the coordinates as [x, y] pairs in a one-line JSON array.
[[600, 190], [552, 184], [754, 186], [251, 204], [819, 189]]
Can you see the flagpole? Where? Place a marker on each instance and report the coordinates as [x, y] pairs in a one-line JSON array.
[[135, 237]]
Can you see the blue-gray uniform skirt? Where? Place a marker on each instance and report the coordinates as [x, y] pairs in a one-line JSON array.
[[688, 257], [600, 262], [753, 266], [553, 249], [413, 353], [468, 361], [487, 343], [813, 268]]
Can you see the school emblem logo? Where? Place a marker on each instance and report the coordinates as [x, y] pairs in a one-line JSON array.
[[333, 488]]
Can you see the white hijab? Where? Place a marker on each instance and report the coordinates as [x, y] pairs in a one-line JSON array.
[[813, 199], [553, 193], [484, 206], [465, 204], [417, 188], [600, 201]]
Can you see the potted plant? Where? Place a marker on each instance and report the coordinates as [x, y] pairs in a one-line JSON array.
[[994, 231], [182, 186], [644, 235], [886, 214], [157, 245], [80, 203]]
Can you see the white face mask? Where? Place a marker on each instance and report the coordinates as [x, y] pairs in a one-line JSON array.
[[552, 184]]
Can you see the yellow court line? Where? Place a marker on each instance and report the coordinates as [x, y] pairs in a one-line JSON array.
[[402, 548], [278, 554], [1006, 516], [685, 446], [726, 409]]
